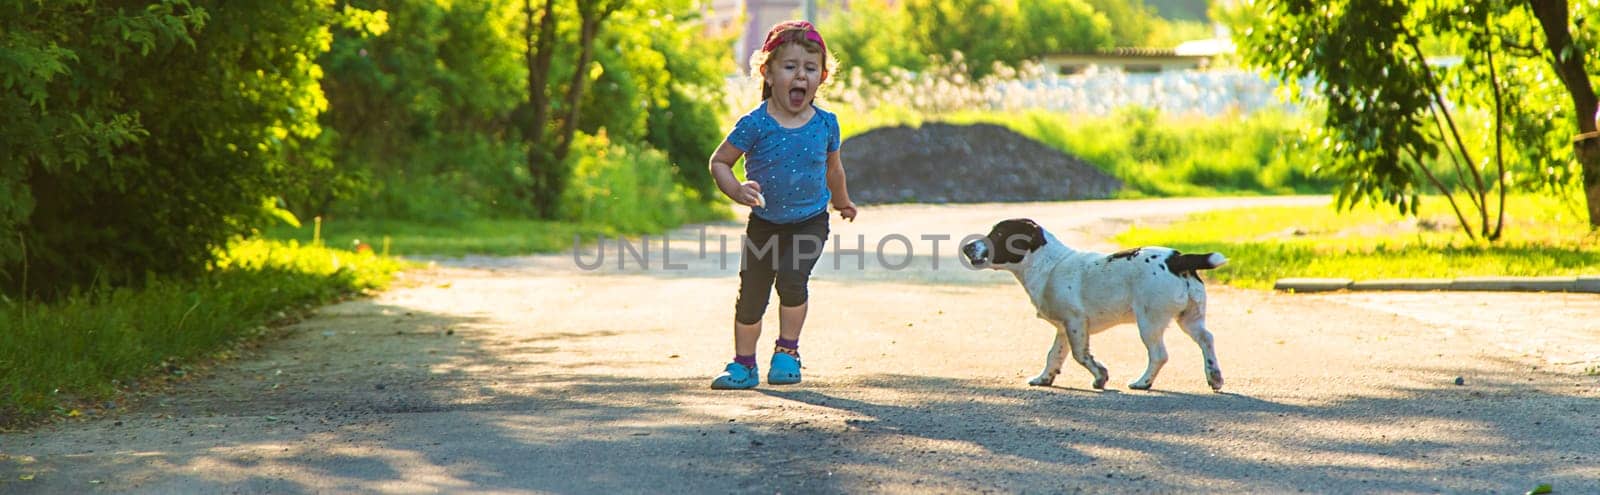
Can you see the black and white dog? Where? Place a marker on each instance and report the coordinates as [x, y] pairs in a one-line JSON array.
[[1083, 293]]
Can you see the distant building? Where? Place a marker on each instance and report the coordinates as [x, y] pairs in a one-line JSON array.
[[760, 15], [1189, 55], [1132, 60], [721, 16], [757, 17]]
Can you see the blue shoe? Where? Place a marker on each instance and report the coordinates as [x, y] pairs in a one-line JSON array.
[[785, 369], [737, 377]]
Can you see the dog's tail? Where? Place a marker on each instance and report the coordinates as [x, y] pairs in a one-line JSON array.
[[1189, 264]]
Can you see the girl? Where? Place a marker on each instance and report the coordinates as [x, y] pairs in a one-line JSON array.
[[791, 151]]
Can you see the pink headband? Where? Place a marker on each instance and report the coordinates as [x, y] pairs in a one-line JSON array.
[[773, 40]]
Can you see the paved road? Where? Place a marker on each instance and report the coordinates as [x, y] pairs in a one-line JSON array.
[[517, 375]]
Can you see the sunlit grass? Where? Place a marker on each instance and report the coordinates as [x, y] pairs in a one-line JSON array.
[[85, 348], [1543, 236], [503, 237], [1155, 155]]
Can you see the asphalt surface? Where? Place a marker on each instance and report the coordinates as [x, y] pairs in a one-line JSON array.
[[535, 375]]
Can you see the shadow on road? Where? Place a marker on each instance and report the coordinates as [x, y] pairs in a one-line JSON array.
[[454, 409]]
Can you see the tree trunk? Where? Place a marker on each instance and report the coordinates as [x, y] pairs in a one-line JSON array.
[[580, 76], [1587, 147], [1568, 61], [589, 30], [592, 16], [540, 52]]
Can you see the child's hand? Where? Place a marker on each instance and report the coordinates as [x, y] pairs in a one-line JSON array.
[[847, 211], [750, 194]]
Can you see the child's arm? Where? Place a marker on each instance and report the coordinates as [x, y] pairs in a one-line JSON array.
[[836, 186], [747, 193]]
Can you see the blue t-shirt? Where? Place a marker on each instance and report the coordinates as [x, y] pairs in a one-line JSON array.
[[790, 164]]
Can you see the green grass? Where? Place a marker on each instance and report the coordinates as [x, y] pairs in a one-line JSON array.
[[616, 189], [492, 237], [1543, 236], [88, 347], [1156, 155]]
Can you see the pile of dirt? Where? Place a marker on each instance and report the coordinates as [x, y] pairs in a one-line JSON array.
[[942, 163]]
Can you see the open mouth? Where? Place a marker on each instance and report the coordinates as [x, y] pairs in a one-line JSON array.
[[797, 97]]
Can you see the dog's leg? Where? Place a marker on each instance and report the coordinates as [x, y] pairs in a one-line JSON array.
[[1151, 329], [1078, 336], [1053, 360], [1193, 322]]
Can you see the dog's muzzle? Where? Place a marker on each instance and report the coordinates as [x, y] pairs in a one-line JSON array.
[[977, 253]]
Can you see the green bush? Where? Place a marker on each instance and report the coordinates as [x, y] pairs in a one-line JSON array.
[[504, 237], [140, 136], [689, 125], [422, 114], [631, 188], [882, 36], [428, 114], [1157, 156]]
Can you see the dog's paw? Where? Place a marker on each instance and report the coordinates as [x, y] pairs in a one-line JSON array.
[[1139, 385], [1042, 381], [1214, 378], [1100, 377]]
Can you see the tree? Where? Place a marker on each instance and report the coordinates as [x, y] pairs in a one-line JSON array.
[[1397, 123], [877, 36], [872, 39], [546, 163], [140, 136], [421, 113], [657, 59], [433, 119], [1570, 62], [1057, 26], [541, 39], [1131, 23]]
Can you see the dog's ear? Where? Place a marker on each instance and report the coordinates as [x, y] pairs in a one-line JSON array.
[[1038, 235]]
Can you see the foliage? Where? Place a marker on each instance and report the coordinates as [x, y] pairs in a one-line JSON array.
[[617, 188], [1368, 242], [982, 33], [687, 125], [420, 112], [1132, 23], [879, 37], [1159, 156], [111, 172], [972, 27], [428, 114], [82, 346], [481, 236], [1060, 26], [1395, 136], [629, 187], [139, 139], [1156, 155], [1153, 153], [871, 40], [673, 72]]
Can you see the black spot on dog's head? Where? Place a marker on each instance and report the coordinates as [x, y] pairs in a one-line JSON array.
[[1015, 238]]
